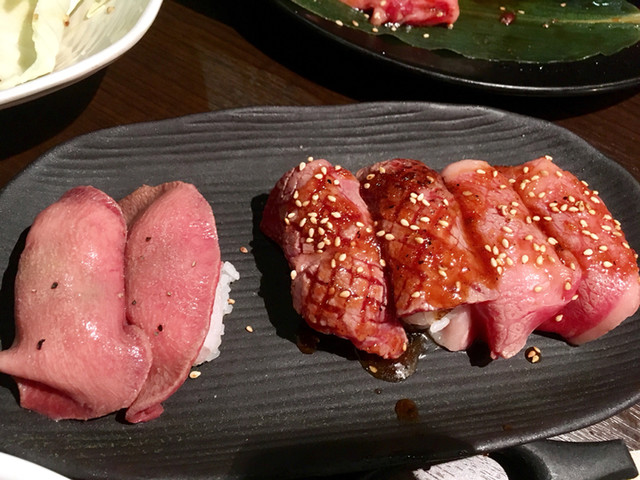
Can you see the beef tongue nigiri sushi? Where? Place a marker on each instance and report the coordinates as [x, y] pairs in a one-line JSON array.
[[172, 270], [435, 273], [315, 213], [578, 218], [74, 355], [534, 281]]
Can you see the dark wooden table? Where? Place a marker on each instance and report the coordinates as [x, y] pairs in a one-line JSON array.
[[204, 55]]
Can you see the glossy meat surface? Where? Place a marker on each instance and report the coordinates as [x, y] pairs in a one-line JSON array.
[[580, 221], [534, 280], [432, 266], [316, 215], [409, 12], [172, 270], [74, 355]]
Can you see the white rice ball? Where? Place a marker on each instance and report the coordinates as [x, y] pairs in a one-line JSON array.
[[221, 307]]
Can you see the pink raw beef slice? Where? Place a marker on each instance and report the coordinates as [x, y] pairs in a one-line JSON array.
[[409, 12], [74, 356], [172, 271], [577, 217], [535, 279]]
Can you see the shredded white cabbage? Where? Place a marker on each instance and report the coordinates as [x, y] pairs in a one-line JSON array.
[[30, 35]]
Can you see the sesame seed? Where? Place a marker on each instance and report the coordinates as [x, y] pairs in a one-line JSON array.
[[480, 171], [318, 176], [575, 297], [505, 243], [404, 222], [532, 354], [525, 169], [301, 166], [359, 269], [558, 317], [380, 233], [442, 272], [302, 222], [294, 274], [425, 219], [337, 242], [487, 248], [494, 262], [342, 257], [607, 264], [389, 236], [331, 198], [249, 328], [382, 262], [467, 193], [552, 241], [444, 223], [336, 214], [507, 229], [419, 240], [588, 252], [194, 374], [366, 186], [525, 258], [537, 288], [567, 286], [345, 294], [371, 176], [382, 170], [542, 194], [415, 294]]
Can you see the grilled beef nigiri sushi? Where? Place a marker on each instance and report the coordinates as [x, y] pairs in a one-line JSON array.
[[315, 213], [579, 220], [435, 273], [74, 355], [534, 280]]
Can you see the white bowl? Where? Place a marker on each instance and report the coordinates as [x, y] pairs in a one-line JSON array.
[[90, 43]]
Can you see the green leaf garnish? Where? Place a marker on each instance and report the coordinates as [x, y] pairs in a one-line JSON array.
[[541, 31]]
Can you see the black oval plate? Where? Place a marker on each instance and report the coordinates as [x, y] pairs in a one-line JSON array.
[[263, 408], [598, 74]]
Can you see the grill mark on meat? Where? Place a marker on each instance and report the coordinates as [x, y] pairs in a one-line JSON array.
[[317, 216], [432, 265]]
